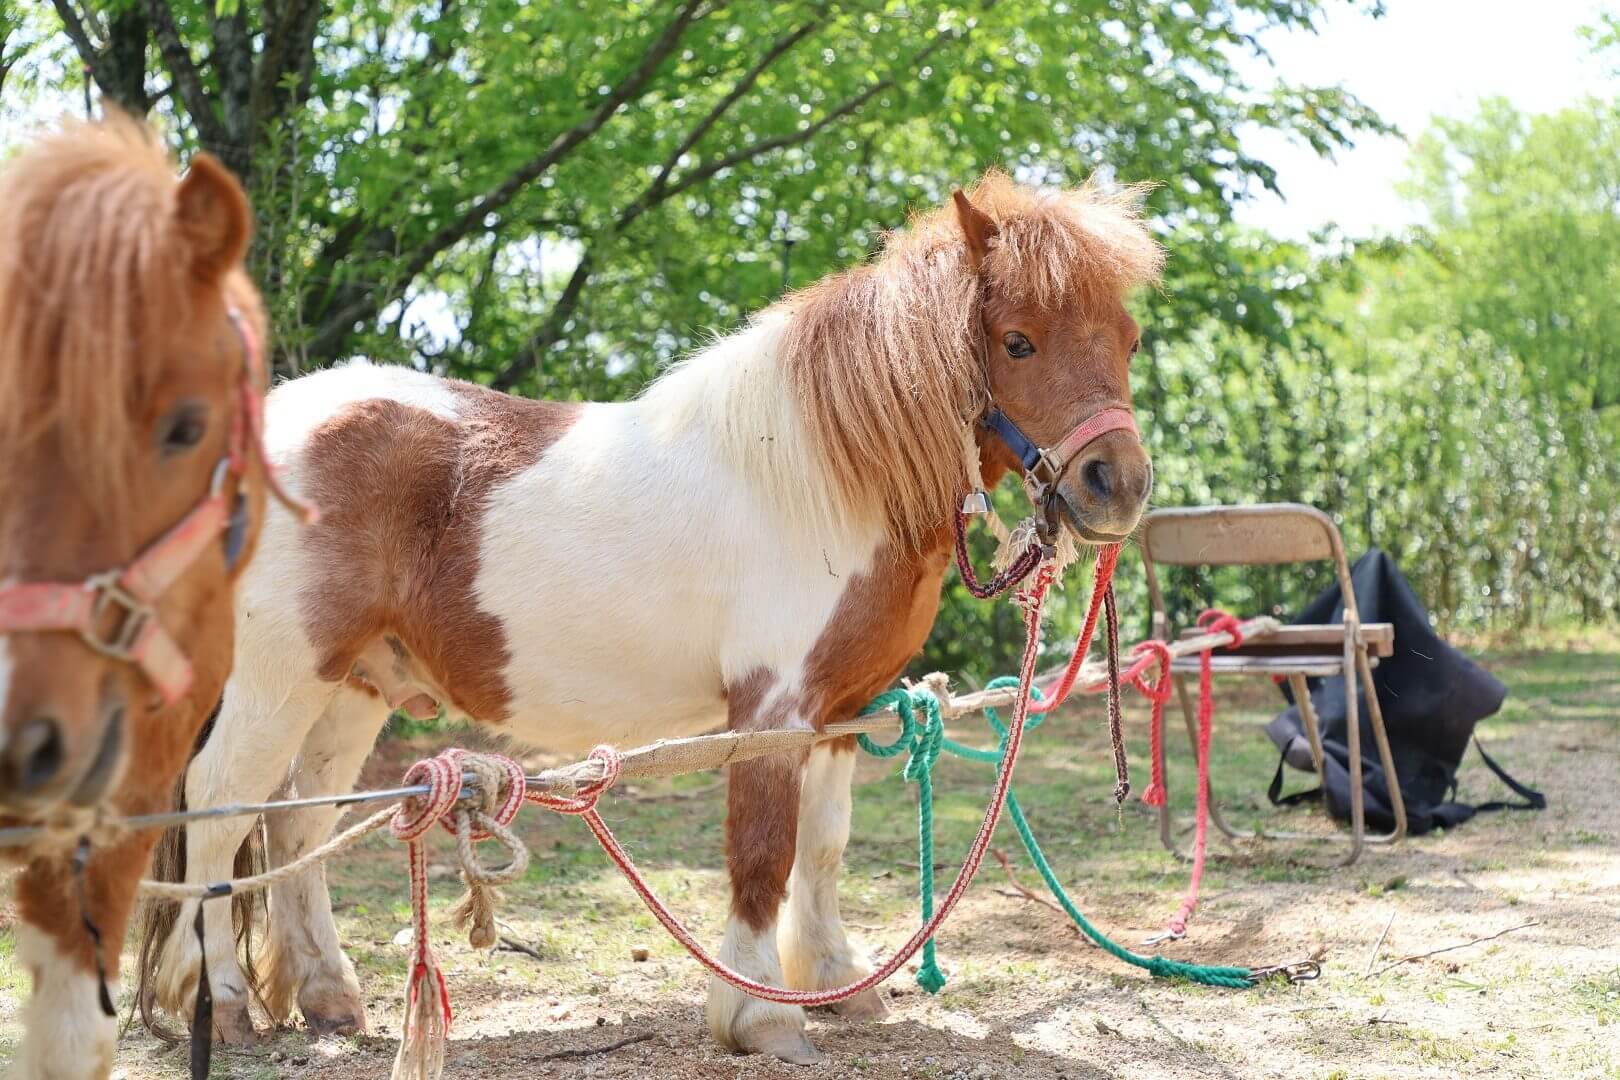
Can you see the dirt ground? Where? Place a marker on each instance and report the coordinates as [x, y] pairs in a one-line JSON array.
[[1027, 997]]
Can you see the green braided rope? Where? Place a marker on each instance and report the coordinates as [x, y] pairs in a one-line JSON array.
[[923, 743]]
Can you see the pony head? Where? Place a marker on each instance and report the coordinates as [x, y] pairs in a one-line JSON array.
[[124, 314], [1057, 341], [1009, 297]]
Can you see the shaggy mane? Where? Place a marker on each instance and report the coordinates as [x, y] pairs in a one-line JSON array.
[[93, 278], [883, 359]]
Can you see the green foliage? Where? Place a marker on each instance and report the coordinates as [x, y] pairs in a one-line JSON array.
[[559, 198], [1522, 244]]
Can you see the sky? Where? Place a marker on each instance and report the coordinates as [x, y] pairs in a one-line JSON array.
[[1422, 59]]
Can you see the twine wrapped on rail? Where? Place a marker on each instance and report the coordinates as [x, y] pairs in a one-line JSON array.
[[474, 796]]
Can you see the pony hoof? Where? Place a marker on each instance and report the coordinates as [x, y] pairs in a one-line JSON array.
[[785, 1044], [865, 1006], [233, 1026], [332, 1007], [336, 1021]]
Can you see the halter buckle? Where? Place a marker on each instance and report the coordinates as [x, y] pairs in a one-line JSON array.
[[1041, 478], [133, 615]]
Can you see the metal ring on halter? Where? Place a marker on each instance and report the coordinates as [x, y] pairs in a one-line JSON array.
[[132, 621], [216, 482]]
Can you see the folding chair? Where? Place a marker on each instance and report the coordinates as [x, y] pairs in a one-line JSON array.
[[1266, 535]]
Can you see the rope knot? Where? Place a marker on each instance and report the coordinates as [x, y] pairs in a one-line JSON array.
[[584, 799], [495, 795], [417, 814], [1216, 621], [1036, 593], [1160, 689]]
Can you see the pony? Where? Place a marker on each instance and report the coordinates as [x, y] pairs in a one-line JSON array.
[[758, 540], [130, 387]]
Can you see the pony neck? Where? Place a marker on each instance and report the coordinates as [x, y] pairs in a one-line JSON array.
[[734, 400]]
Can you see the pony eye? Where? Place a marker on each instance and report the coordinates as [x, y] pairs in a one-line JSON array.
[[183, 428], [1017, 345], [1135, 347]]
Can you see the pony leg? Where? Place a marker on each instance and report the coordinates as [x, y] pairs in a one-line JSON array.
[[66, 1035], [816, 953], [303, 959], [761, 818], [245, 759]]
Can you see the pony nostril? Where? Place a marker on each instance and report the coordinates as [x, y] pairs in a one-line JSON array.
[[1099, 478], [35, 755]]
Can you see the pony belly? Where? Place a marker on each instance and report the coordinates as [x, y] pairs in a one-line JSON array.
[[623, 715]]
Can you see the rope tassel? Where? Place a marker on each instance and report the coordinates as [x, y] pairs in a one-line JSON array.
[[427, 999], [499, 795]]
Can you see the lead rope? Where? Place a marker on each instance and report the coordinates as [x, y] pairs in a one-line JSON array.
[[1020, 568], [1116, 714], [1215, 622], [428, 1013], [81, 864]]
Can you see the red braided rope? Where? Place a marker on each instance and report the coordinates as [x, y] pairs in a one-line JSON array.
[[1027, 560], [443, 774], [1215, 622], [1158, 692], [1107, 557], [1033, 601]]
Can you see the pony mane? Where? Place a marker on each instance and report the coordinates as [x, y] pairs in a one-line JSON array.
[[883, 358], [92, 274]]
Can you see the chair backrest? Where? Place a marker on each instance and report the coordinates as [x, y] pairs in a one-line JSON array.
[[1265, 534]]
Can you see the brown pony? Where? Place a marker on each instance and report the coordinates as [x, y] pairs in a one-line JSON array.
[[130, 383], [759, 540]]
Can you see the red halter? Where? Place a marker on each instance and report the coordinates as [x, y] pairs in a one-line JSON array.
[[1044, 468], [128, 596]]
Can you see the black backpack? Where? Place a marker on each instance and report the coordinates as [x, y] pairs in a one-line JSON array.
[[1431, 696]]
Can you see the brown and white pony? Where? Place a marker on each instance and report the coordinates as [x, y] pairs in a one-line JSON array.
[[758, 540], [127, 504]]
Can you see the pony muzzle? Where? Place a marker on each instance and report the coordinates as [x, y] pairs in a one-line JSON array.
[[1104, 491], [60, 752]]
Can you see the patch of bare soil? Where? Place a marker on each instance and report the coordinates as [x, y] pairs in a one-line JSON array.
[[1028, 998]]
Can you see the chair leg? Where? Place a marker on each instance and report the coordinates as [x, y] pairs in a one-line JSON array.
[[1375, 713], [1352, 721], [1313, 728]]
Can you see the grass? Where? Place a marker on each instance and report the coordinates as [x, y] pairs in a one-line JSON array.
[[1007, 959]]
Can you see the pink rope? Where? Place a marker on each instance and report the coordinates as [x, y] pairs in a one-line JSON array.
[[1107, 557], [1033, 601], [1158, 692], [1214, 622], [443, 775]]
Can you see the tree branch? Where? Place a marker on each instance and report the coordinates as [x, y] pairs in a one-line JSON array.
[[233, 65], [660, 191], [551, 332], [339, 325], [88, 53], [118, 67], [743, 85], [187, 83]]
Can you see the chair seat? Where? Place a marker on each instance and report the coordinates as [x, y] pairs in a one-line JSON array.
[[1312, 639], [1239, 664]]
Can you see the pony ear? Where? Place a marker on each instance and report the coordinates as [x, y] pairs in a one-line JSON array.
[[214, 217], [977, 227]]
